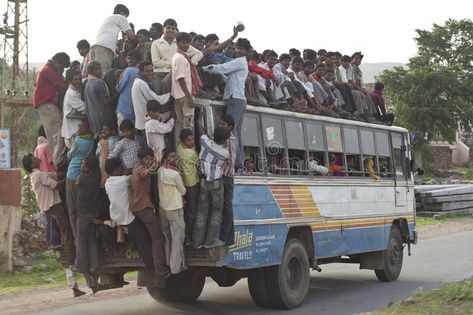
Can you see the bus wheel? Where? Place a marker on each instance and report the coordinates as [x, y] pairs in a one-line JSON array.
[[183, 287], [257, 285], [393, 255], [289, 281]]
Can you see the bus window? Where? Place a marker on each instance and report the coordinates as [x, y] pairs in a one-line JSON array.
[[251, 144], [370, 166], [369, 152], [352, 150], [317, 163], [296, 147], [398, 155], [275, 151], [334, 138], [336, 165], [384, 154]]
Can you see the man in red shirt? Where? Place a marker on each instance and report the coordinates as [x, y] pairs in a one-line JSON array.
[[46, 100]]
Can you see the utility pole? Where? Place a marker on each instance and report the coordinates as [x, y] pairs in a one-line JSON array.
[[15, 83]]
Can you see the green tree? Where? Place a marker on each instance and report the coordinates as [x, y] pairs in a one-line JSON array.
[[435, 93]]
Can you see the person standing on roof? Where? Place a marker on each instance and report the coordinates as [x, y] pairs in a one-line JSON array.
[[103, 47]]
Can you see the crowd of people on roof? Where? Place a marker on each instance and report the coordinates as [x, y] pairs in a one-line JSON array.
[[118, 153]]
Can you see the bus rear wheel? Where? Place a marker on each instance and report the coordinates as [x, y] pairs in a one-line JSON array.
[[288, 282], [257, 285], [183, 287], [392, 257]]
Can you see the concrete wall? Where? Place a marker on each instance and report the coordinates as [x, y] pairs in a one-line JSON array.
[[10, 214], [442, 157]]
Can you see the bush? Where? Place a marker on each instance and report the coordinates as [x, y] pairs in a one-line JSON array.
[[28, 199]]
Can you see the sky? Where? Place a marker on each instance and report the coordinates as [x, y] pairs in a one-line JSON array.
[[383, 30]]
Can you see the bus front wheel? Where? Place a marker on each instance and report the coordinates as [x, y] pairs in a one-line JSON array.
[[183, 287], [393, 255], [289, 281]]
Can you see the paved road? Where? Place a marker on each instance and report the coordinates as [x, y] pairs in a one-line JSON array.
[[338, 289]]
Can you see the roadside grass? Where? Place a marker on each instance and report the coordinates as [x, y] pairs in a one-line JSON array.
[[424, 221], [47, 273], [453, 298]]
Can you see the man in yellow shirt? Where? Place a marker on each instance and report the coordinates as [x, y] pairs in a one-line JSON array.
[[187, 164]]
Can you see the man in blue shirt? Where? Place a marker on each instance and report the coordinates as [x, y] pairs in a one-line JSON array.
[[236, 72]]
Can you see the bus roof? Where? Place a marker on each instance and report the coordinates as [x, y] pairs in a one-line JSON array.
[[286, 113]]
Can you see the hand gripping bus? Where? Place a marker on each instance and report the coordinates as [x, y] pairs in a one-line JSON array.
[[314, 190]]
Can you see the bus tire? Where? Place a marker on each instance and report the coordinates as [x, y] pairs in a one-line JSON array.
[[392, 257], [257, 286], [183, 287], [289, 281]]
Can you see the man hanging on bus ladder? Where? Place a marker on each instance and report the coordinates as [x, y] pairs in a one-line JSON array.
[[234, 95]]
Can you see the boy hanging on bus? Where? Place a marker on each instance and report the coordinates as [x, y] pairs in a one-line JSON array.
[[227, 229], [212, 156], [171, 189], [187, 164]]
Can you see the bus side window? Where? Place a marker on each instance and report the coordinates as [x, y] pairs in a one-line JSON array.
[[369, 152], [352, 150], [275, 152], [398, 155], [250, 134], [334, 144], [384, 154], [315, 139], [296, 147]]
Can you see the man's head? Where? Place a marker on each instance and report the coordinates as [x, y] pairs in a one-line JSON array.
[[146, 69], [329, 75], [133, 57], [83, 127], [230, 50], [309, 54], [242, 47], [308, 67], [142, 36], [128, 129], [345, 61], [183, 41], [293, 52], [30, 162], [95, 69], [129, 45], [83, 47], [226, 121], [122, 10], [379, 86], [320, 70], [338, 58], [61, 60], [221, 135], [271, 58], [296, 64], [198, 41], [109, 129], [114, 167], [321, 55], [156, 30], [285, 60], [74, 78], [330, 59], [356, 58], [170, 28], [90, 164], [145, 153], [169, 156], [187, 138], [211, 39], [154, 109]]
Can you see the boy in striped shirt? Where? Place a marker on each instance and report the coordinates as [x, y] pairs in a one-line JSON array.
[[212, 156]]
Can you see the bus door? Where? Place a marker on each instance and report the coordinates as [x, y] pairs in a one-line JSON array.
[[400, 168]]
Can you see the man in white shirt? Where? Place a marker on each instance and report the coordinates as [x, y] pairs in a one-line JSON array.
[[103, 47], [162, 51], [142, 92], [236, 72]]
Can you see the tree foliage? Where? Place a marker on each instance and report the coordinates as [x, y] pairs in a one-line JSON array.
[[435, 93]]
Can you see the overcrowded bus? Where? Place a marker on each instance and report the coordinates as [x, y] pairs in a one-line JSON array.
[[314, 190]]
